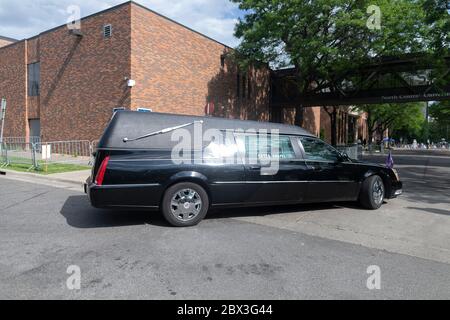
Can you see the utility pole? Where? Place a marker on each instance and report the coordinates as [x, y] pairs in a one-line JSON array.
[[3, 114]]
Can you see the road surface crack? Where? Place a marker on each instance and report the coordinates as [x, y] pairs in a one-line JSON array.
[[25, 200]]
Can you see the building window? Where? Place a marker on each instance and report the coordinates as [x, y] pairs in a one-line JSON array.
[[107, 31], [34, 75]]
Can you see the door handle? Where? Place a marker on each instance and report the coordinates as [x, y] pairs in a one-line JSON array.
[[255, 167]]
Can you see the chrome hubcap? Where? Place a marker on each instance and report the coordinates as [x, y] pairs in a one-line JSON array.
[[378, 192], [186, 204]]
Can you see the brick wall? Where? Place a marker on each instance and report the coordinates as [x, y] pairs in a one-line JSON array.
[[311, 120], [82, 80], [179, 71], [13, 88]]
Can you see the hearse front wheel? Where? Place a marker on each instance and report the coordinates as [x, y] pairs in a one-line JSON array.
[[372, 193], [185, 204]]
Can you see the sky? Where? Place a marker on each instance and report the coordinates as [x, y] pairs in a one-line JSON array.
[[21, 19]]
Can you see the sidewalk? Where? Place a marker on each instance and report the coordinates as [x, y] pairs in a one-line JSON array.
[[75, 178]]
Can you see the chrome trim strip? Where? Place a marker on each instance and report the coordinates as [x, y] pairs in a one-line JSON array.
[[256, 182], [138, 160], [192, 160], [334, 181], [118, 186], [274, 182], [282, 161]]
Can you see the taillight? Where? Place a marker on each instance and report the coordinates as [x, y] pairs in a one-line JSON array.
[[101, 171]]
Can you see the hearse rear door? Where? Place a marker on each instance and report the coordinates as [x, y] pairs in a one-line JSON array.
[[272, 177]]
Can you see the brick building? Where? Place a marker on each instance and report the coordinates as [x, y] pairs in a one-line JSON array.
[[64, 84]]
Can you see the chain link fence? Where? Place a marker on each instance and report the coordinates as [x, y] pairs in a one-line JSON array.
[[37, 155], [18, 153]]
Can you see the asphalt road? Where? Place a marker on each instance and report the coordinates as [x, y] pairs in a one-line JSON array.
[[289, 252]]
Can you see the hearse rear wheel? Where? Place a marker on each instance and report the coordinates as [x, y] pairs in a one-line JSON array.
[[372, 193], [185, 204]]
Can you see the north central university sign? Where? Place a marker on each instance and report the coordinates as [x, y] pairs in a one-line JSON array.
[[414, 97]]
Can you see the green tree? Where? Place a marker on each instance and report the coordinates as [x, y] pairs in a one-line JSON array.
[[403, 120], [440, 121], [438, 19], [440, 111], [323, 39]]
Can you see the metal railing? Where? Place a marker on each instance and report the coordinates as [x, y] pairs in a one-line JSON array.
[[18, 153], [74, 152], [18, 140], [41, 154]]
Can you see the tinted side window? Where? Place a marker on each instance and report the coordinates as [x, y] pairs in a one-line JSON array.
[[267, 147], [220, 148], [317, 150]]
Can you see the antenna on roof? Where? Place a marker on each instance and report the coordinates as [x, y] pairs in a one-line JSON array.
[[163, 131]]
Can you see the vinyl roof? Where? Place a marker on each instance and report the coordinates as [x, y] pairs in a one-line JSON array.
[[128, 124]]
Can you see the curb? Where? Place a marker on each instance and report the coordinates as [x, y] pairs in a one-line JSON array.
[[12, 174]]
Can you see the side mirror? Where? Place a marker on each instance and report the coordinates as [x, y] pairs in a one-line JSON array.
[[343, 156]]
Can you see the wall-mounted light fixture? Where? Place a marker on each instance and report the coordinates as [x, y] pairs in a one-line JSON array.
[[131, 83]]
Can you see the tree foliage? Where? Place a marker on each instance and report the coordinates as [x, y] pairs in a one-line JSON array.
[[438, 20], [324, 38], [440, 112], [440, 121], [401, 119]]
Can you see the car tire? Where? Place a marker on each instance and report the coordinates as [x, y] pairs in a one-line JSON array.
[[185, 204], [372, 193]]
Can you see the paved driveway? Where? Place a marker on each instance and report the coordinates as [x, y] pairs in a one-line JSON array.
[[417, 223], [314, 251]]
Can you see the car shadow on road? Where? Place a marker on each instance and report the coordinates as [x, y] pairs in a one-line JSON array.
[[432, 210], [279, 209], [80, 214]]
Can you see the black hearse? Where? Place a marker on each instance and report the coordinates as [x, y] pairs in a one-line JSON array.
[[184, 165]]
